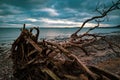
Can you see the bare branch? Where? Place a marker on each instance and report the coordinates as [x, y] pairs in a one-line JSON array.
[[115, 6], [98, 23]]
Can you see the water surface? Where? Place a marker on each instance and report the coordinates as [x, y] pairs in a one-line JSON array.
[[10, 34]]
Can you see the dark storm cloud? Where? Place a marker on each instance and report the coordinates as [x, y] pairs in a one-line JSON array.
[[25, 4], [46, 12]]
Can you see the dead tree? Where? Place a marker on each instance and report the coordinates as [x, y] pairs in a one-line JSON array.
[[37, 60], [33, 60], [103, 13], [79, 41]]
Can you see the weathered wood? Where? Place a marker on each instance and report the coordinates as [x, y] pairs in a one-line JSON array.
[[104, 72], [32, 52], [103, 13], [37, 60], [50, 73], [71, 77], [37, 47], [72, 56]]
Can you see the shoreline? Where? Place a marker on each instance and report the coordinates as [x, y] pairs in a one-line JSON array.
[[97, 58]]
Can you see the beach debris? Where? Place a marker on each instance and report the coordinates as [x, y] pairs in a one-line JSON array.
[[45, 60], [80, 40]]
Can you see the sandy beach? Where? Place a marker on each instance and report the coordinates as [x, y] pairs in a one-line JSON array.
[[103, 58]]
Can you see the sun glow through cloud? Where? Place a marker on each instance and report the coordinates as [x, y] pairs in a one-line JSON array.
[[67, 22]]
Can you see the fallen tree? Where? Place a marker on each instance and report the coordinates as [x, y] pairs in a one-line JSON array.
[[80, 40], [45, 60], [35, 60]]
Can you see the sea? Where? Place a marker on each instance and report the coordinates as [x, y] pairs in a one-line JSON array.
[[8, 35]]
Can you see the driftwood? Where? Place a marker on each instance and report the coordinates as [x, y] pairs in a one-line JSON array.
[[102, 14], [35, 60], [44, 60], [79, 40]]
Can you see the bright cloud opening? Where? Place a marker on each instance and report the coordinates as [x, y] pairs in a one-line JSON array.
[[51, 11], [66, 23], [31, 19]]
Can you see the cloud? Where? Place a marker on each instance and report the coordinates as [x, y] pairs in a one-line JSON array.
[[24, 4], [6, 9], [65, 22], [52, 12], [70, 10], [31, 19], [1, 11], [59, 13]]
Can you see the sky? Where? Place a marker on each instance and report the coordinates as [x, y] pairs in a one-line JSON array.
[[54, 13]]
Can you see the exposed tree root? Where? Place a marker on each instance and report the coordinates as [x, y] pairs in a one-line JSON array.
[[45, 60]]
